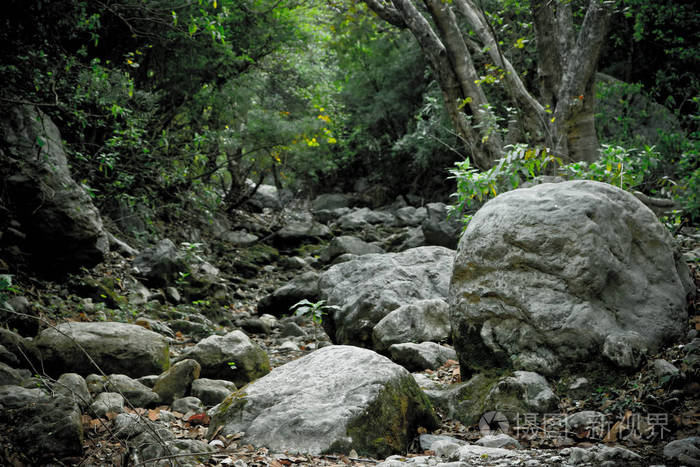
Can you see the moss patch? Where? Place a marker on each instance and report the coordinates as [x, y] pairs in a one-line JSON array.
[[389, 424]]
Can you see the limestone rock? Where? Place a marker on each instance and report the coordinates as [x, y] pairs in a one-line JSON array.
[[106, 402], [371, 286], [160, 264], [115, 347], [187, 404], [420, 321], [363, 217], [410, 216], [63, 228], [348, 244], [46, 428], [686, 451], [74, 387], [177, 380], [555, 273], [329, 201], [212, 391], [335, 399], [216, 354], [418, 357], [301, 287], [440, 229]]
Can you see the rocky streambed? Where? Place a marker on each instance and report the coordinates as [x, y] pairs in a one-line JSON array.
[[561, 330]]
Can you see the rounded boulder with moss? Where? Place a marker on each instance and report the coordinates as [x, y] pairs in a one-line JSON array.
[[333, 400]]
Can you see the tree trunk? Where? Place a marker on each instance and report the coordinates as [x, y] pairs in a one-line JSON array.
[[564, 115]]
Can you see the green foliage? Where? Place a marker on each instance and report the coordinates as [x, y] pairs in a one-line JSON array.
[[314, 310], [629, 169], [519, 164], [6, 288]]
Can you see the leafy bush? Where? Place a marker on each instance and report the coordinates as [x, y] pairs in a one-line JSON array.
[[644, 170]]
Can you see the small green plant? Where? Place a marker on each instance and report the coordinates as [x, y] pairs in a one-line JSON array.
[[191, 251], [314, 310], [6, 288], [520, 163], [232, 365]]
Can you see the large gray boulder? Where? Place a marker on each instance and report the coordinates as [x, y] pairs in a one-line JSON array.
[[558, 272], [333, 400], [233, 357], [369, 287], [63, 228], [114, 347]]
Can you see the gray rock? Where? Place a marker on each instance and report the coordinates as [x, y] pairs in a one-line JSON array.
[[301, 287], [13, 397], [21, 316], [582, 420], [212, 391], [371, 286], [364, 217], [524, 392], [156, 452], [296, 232], [20, 347], [686, 451], [134, 392], [46, 428], [579, 388], [106, 402], [427, 441], [335, 399], [115, 347], [216, 353], [419, 321], [327, 216], [550, 274], [128, 425], [9, 376], [8, 357], [149, 380], [412, 239], [418, 357], [159, 265], [238, 238], [440, 229], [187, 404], [472, 452], [663, 369], [601, 454], [348, 244], [177, 380], [500, 440], [329, 201], [291, 329], [63, 228], [74, 387], [410, 216]]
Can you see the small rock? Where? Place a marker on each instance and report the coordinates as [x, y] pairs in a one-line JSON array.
[[501, 440], [107, 402], [73, 386], [685, 451], [212, 391], [176, 382], [187, 404]]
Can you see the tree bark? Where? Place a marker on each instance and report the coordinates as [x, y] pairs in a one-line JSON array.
[[564, 114]]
